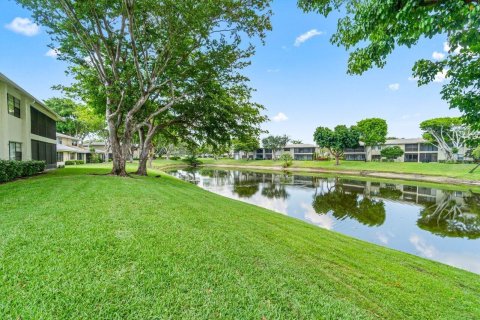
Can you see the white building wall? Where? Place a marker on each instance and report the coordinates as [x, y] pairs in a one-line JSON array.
[[13, 129]]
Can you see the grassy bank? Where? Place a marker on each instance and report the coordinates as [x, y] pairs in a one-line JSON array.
[[77, 245], [436, 169]]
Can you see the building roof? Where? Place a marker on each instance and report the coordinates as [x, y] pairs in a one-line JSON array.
[[47, 110], [61, 135], [405, 141], [300, 145], [94, 143], [64, 148]]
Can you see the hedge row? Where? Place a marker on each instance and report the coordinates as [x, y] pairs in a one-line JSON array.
[[11, 170], [73, 162]]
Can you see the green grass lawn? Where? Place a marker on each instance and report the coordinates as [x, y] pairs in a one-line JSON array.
[[433, 168], [82, 246]]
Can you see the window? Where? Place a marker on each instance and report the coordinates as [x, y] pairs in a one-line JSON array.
[[59, 156], [428, 157], [358, 149], [74, 143], [411, 147], [42, 125], [13, 105], [15, 151], [412, 157], [355, 157], [303, 157], [428, 147], [72, 156], [59, 141], [43, 151], [304, 150]]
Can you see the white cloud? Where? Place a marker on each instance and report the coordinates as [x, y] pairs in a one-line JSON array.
[[440, 77], [280, 117], [447, 48], [412, 78], [320, 220], [394, 86], [52, 53], [307, 35], [23, 26], [422, 247], [438, 55]]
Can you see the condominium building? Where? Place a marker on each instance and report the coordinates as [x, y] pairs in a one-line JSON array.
[[27, 125], [297, 151], [415, 150], [69, 148]]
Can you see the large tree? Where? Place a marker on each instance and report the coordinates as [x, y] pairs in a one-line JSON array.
[[449, 135], [275, 143], [79, 120], [140, 58], [373, 132], [392, 152], [337, 140], [372, 30], [246, 144]]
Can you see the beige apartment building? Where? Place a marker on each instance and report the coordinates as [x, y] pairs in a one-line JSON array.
[[69, 148], [27, 126], [415, 150]]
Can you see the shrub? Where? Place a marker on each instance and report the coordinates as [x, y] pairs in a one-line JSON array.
[[11, 170], [392, 152], [69, 162], [79, 162], [175, 158], [287, 160], [192, 161]]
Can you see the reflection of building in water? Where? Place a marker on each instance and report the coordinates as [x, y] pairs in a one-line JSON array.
[[445, 213], [402, 193]]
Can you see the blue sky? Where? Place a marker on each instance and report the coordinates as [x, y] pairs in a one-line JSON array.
[[303, 85]]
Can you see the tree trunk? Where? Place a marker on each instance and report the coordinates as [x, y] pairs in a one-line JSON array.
[[337, 160], [119, 161], [145, 147], [142, 165]]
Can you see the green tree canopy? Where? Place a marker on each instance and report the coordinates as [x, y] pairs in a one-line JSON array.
[[246, 143], [138, 59], [275, 143], [372, 29], [449, 134], [79, 120], [337, 140], [373, 131], [392, 152]]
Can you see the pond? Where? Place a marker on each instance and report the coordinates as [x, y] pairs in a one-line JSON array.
[[441, 225]]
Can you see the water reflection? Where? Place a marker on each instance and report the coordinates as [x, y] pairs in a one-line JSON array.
[[452, 215], [433, 223], [344, 203]]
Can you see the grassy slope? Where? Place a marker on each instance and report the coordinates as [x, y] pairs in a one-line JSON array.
[[74, 245], [439, 169]]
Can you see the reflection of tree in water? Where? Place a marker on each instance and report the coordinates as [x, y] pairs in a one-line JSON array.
[[274, 190], [245, 189], [390, 193], [449, 218], [345, 204]]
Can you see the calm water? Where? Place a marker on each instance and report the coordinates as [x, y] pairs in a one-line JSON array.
[[432, 223]]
